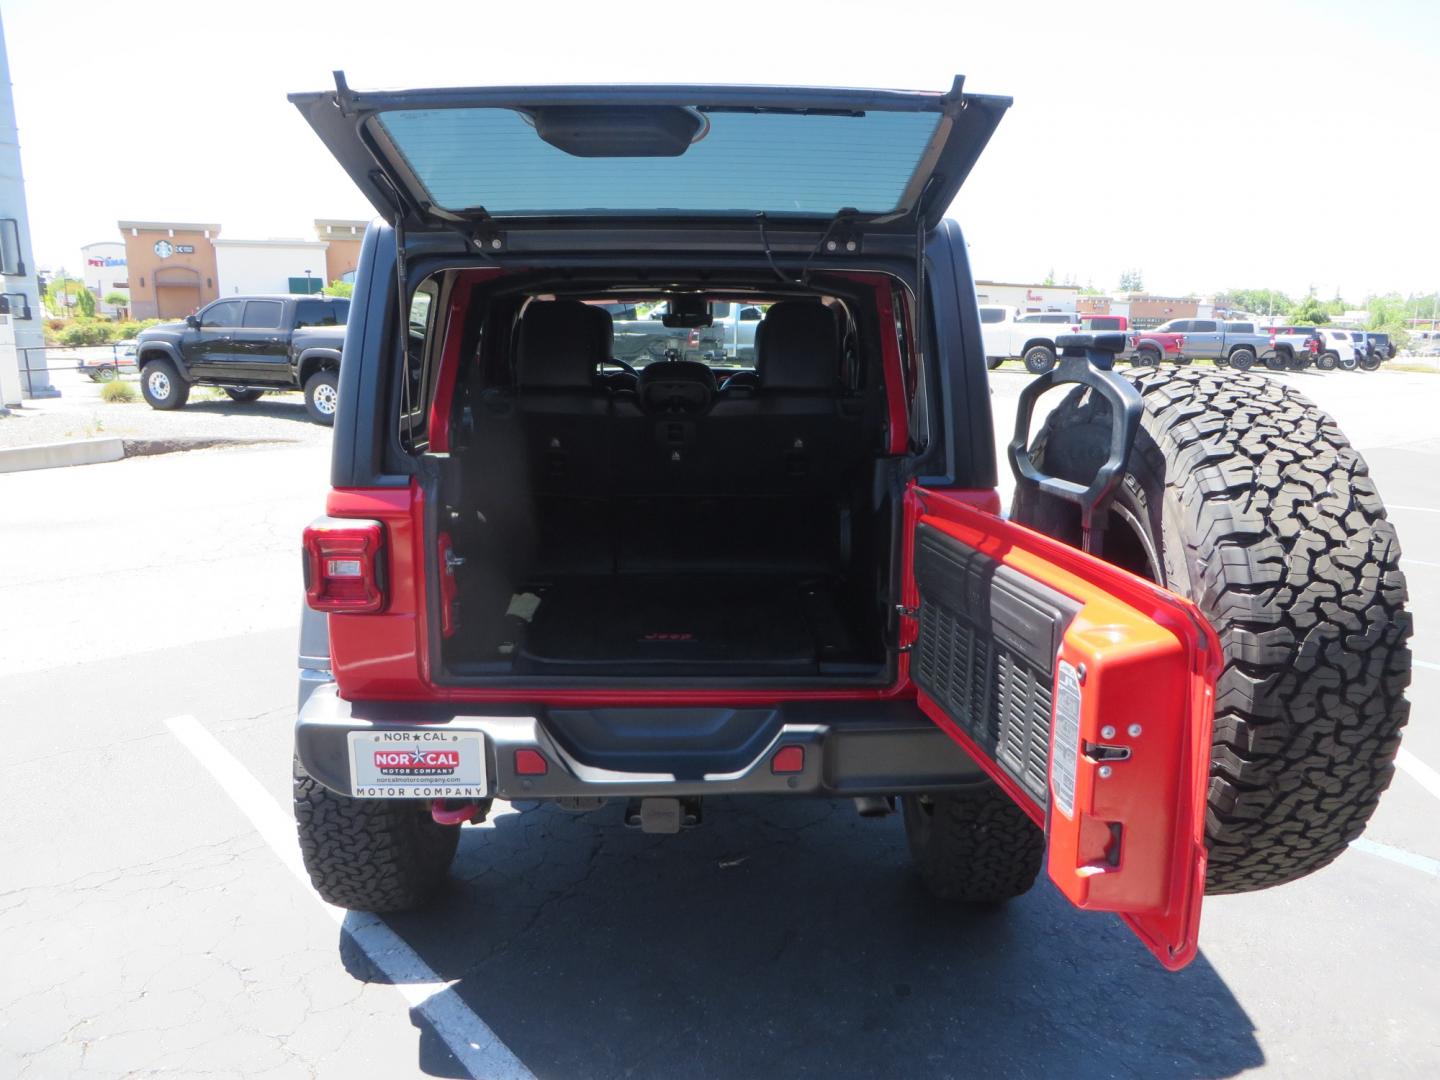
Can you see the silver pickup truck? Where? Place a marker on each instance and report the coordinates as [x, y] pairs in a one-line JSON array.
[[1229, 344]]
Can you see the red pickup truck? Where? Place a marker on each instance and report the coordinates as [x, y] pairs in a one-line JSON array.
[[1152, 346]]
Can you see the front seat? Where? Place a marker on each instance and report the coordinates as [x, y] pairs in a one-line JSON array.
[[797, 349]]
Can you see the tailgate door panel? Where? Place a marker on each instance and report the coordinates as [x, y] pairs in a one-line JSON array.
[[1087, 694]]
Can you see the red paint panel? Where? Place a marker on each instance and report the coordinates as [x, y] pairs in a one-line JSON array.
[[449, 370], [1133, 841]]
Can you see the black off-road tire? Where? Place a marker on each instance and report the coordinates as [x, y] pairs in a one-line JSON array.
[[161, 385], [973, 846], [1039, 359], [378, 855], [1242, 359], [1245, 497], [104, 373], [1371, 363], [993, 362], [1145, 357], [320, 396], [1327, 361], [244, 394]]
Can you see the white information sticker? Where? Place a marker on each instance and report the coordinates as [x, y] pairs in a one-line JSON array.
[[1065, 754], [417, 764]]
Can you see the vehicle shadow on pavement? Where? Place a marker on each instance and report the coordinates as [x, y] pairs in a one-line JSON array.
[[790, 937], [275, 409]]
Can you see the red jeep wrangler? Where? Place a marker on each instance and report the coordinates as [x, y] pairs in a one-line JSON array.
[[1177, 667]]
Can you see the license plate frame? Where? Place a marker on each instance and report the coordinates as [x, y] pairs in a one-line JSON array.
[[418, 763]]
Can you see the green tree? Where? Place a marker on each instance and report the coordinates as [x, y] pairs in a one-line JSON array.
[[339, 288], [1258, 301], [1132, 281], [63, 294], [85, 302], [1310, 312], [1049, 277], [120, 300], [1388, 314]]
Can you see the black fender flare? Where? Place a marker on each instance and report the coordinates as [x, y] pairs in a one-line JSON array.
[[313, 360], [1049, 343], [148, 349]]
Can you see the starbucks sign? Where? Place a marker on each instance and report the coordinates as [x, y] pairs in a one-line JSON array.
[[165, 249]]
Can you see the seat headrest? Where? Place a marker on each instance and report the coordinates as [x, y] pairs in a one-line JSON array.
[[797, 347], [677, 386], [560, 345], [604, 331]]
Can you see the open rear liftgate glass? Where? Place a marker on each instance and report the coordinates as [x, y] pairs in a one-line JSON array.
[[1087, 693]]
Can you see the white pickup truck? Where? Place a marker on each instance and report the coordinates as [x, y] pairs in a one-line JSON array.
[[732, 335], [1008, 334]]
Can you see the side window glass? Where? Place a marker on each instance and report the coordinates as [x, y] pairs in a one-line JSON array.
[[316, 313], [226, 313], [262, 314], [414, 389], [750, 314]]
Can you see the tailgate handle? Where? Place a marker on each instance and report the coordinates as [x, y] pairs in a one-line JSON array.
[[1086, 360]]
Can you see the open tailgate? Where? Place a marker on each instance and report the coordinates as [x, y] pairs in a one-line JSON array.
[[1086, 693]]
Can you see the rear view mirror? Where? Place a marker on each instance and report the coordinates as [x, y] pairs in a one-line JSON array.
[[688, 313], [192, 321], [11, 264]]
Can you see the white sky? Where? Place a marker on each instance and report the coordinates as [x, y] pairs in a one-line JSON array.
[[1211, 144]]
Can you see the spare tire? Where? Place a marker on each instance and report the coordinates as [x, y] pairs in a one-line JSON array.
[[1245, 497]]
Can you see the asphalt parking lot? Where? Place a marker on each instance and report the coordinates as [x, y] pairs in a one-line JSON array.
[[153, 924]]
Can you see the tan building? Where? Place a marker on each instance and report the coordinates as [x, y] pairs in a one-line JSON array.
[[343, 254], [1147, 312], [170, 267]]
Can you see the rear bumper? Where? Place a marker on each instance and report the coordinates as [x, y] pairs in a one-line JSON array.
[[850, 749]]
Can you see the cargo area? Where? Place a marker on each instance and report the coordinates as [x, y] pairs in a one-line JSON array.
[[711, 518]]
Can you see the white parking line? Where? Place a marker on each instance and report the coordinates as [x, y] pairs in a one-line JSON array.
[[1417, 562], [1418, 770], [1426, 664], [1423, 863], [1417, 509], [477, 1048]]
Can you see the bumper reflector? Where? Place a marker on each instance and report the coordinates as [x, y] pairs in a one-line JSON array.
[[530, 763], [788, 759]]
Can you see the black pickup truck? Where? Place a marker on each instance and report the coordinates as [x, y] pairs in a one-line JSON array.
[[247, 345]]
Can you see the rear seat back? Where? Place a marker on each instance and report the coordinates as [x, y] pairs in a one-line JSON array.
[[794, 433], [560, 346]]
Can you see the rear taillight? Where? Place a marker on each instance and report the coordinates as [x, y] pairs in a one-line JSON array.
[[344, 565], [1179, 341], [1272, 341], [693, 341]]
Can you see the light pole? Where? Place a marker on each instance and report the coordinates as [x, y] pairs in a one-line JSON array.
[[307, 282]]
